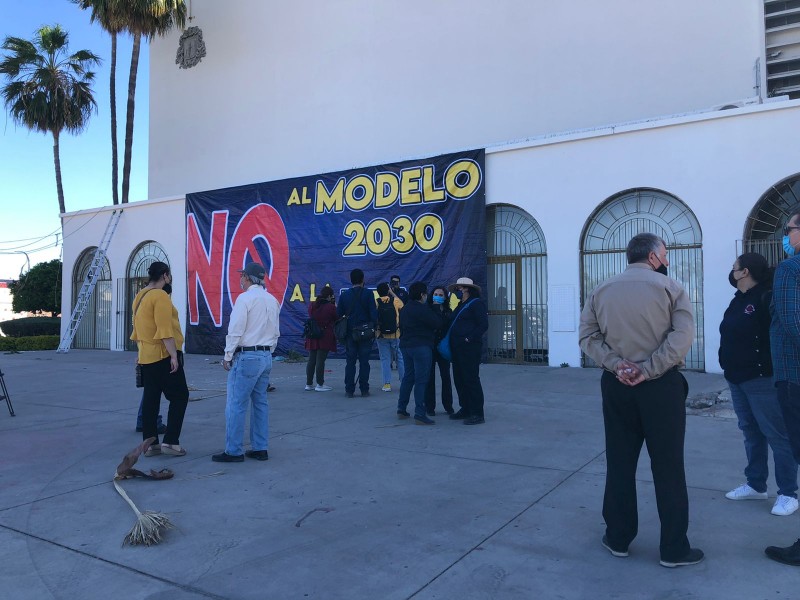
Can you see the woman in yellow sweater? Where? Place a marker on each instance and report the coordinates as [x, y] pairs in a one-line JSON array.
[[157, 333]]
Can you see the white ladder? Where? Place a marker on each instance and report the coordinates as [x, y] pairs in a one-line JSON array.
[[87, 289]]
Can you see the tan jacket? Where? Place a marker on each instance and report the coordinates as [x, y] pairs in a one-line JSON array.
[[641, 316]]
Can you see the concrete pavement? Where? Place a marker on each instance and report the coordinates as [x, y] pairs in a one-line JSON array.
[[354, 503]]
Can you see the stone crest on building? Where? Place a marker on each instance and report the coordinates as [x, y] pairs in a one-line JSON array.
[[191, 48]]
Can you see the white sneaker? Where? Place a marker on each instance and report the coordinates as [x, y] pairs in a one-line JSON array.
[[309, 388], [323, 388], [784, 506], [745, 492]]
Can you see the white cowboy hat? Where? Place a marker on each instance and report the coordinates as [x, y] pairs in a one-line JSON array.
[[464, 282]]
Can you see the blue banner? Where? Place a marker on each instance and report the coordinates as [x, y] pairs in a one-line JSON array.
[[421, 219]]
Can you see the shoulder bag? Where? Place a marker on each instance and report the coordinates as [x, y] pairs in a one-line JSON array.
[[443, 347], [340, 326]]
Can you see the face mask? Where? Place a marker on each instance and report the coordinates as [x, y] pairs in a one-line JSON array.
[[459, 294], [787, 246], [732, 280], [438, 299], [662, 267], [168, 288]]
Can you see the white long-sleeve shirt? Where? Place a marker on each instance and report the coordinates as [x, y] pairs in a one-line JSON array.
[[254, 321]]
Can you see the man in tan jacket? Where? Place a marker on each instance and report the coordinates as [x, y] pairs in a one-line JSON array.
[[639, 326]]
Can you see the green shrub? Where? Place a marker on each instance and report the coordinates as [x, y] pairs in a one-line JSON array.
[[32, 326], [39, 342]]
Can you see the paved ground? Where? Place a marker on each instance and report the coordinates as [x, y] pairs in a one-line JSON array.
[[353, 503]]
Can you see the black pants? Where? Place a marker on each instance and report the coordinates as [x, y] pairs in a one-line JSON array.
[[447, 387], [357, 352], [157, 380], [654, 412], [466, 362], [316, 362]]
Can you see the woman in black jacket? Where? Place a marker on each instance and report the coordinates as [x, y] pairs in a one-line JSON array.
[[744, 356], [470, 321], [439, 301]]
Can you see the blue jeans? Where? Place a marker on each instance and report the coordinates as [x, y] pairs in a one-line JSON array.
[[418, 371], [760, 419], [385, 348], [247, 383], [357, 351]]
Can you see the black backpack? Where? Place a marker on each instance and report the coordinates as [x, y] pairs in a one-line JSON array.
[[387, 317], [311, 330]]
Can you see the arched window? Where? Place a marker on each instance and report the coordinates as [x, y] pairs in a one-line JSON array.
[[608, 231], [94, 332], [517, 286], [763, 231], [144, 255]]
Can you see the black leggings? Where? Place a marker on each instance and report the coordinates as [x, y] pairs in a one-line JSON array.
[[316, 358]]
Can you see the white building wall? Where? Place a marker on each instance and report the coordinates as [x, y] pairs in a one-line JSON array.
[[154, 220], [718, 165], [295, 88]]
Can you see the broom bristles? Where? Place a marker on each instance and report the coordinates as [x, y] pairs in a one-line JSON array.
[[148, 528]]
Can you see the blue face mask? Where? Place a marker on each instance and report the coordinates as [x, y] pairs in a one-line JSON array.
[[438, 299], [787, 247], [459, 294]]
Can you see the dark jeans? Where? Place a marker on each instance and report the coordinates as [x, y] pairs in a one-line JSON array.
[[158, 380], [466, 362], [357, 351], [447, 388], [316, 362], [789, 399], [654, 412], [417, 360]]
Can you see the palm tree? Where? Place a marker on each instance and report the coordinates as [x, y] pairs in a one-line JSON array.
[[107, 13], [144, 18], [48, 89]]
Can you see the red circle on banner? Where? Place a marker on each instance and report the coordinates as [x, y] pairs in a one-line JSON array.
[[261, 221]]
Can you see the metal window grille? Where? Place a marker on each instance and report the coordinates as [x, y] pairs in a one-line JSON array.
[[608, 231]]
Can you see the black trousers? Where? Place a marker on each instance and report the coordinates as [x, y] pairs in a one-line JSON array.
[[316, 364], [654, 412], [157, 380], [447, 386], [466, 362]]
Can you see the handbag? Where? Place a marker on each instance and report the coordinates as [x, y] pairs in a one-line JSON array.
[[363, 333], [139, 380], [311, 330], [443, 347], [340, 326]]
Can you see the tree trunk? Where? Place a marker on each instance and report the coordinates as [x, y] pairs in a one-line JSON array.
[[113, 90], [57, 161], [126, 165]]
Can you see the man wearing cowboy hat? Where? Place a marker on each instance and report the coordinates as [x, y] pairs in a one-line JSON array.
[[470, 321]]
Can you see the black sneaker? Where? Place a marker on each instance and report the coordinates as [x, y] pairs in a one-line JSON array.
[[476, 420], [459, 415], [349, 394], [787, 556], [364, 393], [403, 414], [223, 457], [617, 553], [257, 454], [694, 556], [423, 420]]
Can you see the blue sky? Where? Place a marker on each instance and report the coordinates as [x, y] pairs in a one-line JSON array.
[[27, 177]]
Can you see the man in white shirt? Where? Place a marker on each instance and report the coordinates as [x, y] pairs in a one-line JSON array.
[[253, 332]]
